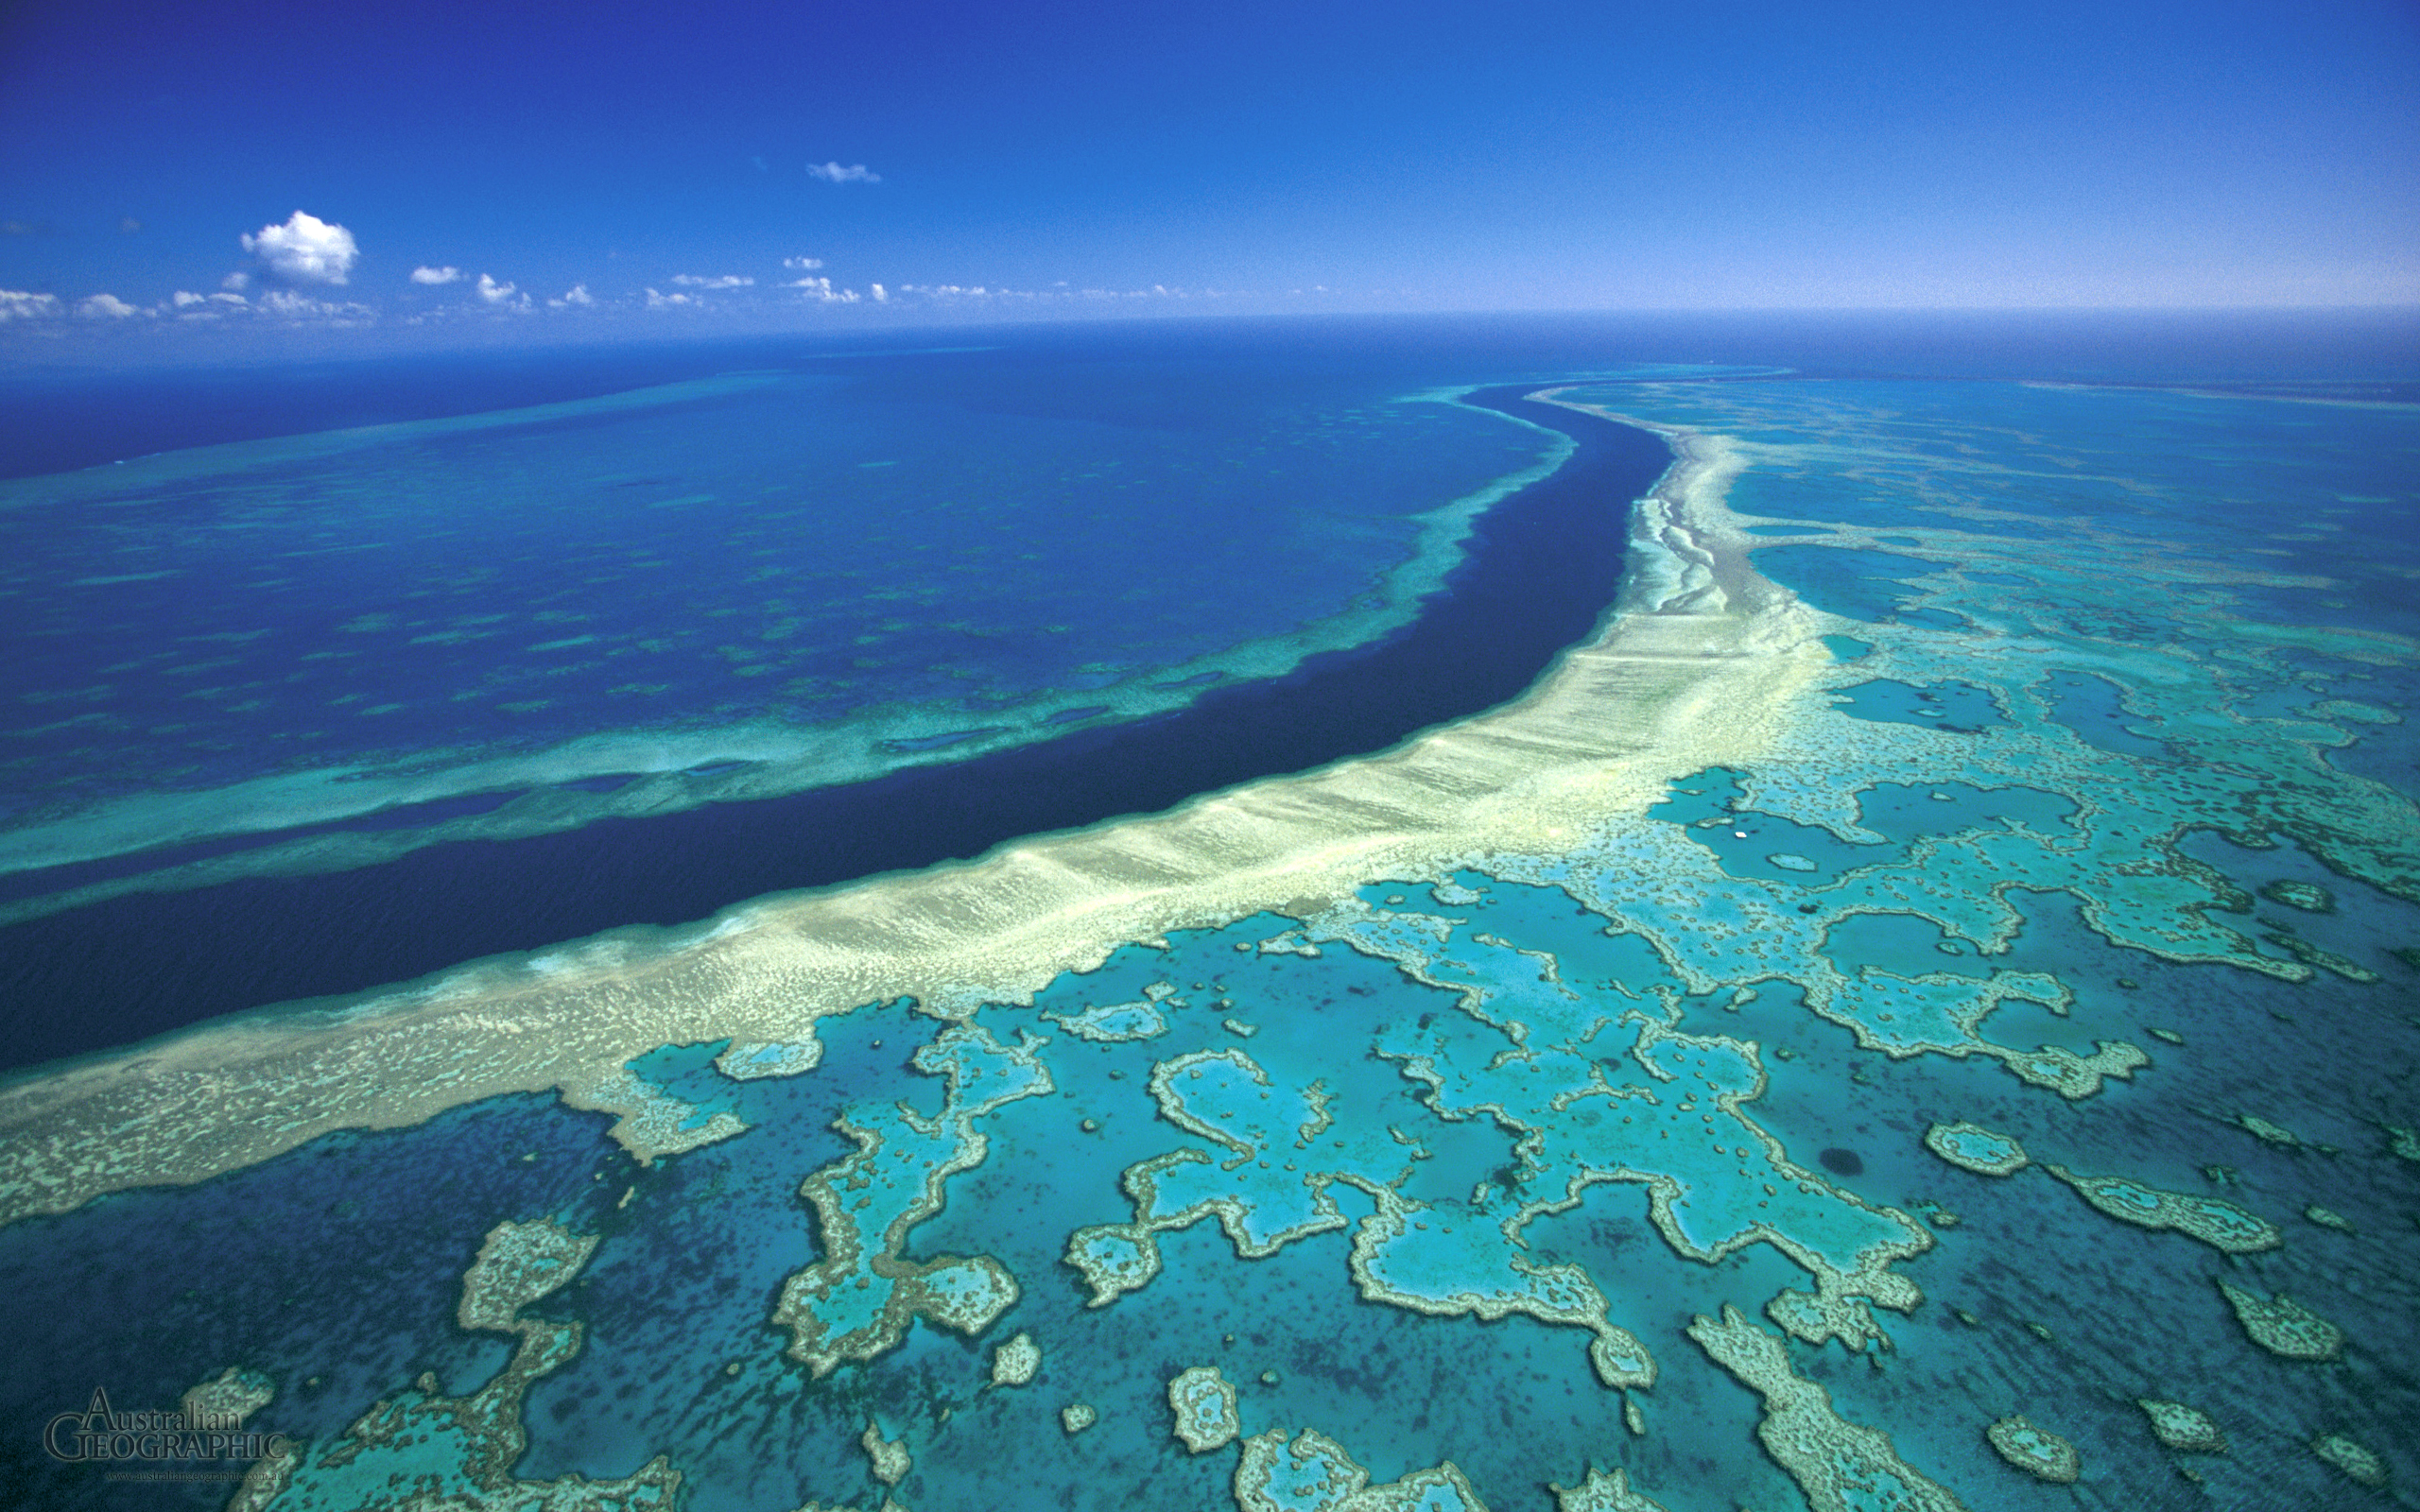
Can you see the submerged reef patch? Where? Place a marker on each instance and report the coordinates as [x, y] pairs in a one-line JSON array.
[[1839, 1464], [2221, 1224], [1112, 1022], [857, 1300], [1204, 1406], [2307, 896], [2283, 1326], [1600, 1492], [456, 1452], [2359, 1463], [2189, 1430], [888, 1457], [231, 1395], [1972, 1147], [2037, 1452], [1313, 1473], [1015, 1362]]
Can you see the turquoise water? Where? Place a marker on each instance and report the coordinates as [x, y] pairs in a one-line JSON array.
[[2096, 829]]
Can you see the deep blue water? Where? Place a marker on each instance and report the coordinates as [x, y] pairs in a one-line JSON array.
[[778, 551], [1540, 572]]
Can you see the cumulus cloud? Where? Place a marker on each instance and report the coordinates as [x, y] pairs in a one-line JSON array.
[[803, 264], [305, 250], [237, 279], [105, 307], [951, 293], [881, 295], [502, 296], [192, 306], [665, 301], [294, 306], [424, 274], [822, 291], [20, 304], [577, 294], [834, 173], [728, 281]]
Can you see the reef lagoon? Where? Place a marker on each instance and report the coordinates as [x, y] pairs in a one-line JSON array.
[[1526, 914]]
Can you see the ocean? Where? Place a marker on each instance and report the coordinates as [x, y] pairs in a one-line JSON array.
[[1770, 905]]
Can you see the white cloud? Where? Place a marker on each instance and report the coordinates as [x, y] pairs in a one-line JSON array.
[[305, 250], [881, 295], [18, 305], [193, 306], [426, 274], [294, 306], [821, 290], [957, 292], [834, 173], [803, 264], [728, 281], [206, 306], [665, 301], [577, 294], [105, 307], [237, 279], [496, 293]]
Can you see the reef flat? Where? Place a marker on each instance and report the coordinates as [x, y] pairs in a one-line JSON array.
[[1717, 1077]]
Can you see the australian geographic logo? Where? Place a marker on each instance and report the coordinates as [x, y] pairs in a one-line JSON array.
[[99, 1435]]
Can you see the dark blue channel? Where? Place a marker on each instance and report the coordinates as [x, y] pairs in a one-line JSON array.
[[1539, 569]]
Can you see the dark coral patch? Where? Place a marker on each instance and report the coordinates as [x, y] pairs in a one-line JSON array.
[[1841, 1162]]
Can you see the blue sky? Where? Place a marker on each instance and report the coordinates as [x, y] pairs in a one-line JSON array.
[[1089, 159]]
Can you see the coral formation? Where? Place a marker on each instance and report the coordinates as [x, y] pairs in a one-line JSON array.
[[2283, 1326], [2180, 1427], [1204, 1406], [2037, 1452], [1839, 1464]]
